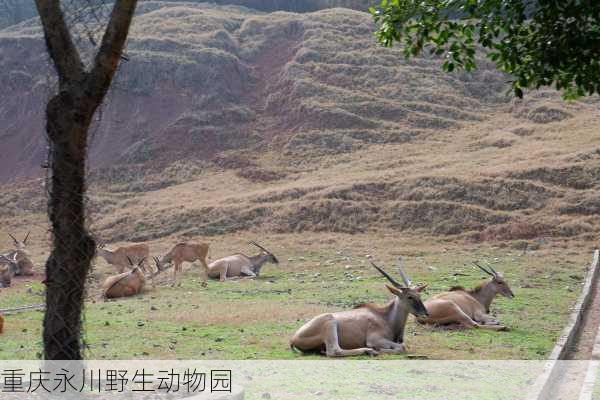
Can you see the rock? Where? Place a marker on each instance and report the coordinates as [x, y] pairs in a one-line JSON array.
[[431, 268], [140, 324], [265, 396], [152, 308], [369, 256]]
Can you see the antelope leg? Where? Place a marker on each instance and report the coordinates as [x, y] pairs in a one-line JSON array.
[[223, 273], [386, 346], [247, 272], [332, 345]]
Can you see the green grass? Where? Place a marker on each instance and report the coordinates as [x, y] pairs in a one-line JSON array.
[[255, 319]]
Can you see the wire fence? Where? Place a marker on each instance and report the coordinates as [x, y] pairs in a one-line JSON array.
[[66, 274]]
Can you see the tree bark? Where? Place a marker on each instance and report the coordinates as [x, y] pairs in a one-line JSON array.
[[73, 248], [68, 118]]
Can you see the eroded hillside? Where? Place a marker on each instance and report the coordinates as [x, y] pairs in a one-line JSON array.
[[227, 119]]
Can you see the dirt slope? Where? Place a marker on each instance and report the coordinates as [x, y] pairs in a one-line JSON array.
[[227, 119]]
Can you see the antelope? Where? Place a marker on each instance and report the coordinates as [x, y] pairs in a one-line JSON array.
[[240, 264], [368, 329], [138, 253], [120, 256], [469, 308], [185, 252], [7, 268], [20, 244], [125, 284], [19, 263]]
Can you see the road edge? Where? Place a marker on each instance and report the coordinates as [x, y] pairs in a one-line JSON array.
[[542, 385]]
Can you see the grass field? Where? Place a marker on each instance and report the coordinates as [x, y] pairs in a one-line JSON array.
[[247, 319]]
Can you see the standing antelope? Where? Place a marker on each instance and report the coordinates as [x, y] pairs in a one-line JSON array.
[[368, 329], [240, 264], [185, 252], [125, 284], [469, 308], [120, 256]]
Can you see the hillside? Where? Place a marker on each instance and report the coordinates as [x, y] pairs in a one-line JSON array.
[[227, 119]]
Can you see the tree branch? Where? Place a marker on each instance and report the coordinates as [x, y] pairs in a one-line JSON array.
[[59, 42], [108, 56]]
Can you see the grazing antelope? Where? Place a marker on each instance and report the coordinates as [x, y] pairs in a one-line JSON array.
[[185, 252], [368, 329], [125, 284], [469, 308], [240, 264], [120, 256], [138, 253]]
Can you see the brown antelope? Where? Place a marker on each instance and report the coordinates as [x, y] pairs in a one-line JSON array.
[[469, 308], [138, 253], [20, 244], [368, 329], [185, 252], [240, 264], [19, 262], [22, 256], [125, 284]]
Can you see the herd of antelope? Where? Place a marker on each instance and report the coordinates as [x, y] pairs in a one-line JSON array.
[[367, 329]]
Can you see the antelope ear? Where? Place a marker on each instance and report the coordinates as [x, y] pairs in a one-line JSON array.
[[421, 288], [394, 290]]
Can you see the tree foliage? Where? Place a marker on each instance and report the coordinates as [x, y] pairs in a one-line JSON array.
[[538, 42]]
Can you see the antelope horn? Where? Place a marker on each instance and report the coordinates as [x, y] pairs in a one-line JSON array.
[[260, 247], [141, 261], [13, 238], [26, 237], [130, 262], [389, 278], [402, 274], [493, 270], [483, 269]]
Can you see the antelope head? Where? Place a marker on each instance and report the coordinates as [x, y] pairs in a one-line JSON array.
[[272, 258], [20, 244], [498, 283], [408, 294]]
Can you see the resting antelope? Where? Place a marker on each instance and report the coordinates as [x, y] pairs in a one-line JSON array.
[[368, 329], [7, 268], [138, 253], [19, 262], [469, 308], [125, 284], [20, 244], [240, 264], [185, 252]]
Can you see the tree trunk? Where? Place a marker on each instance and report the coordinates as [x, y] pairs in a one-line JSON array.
[[73, 248], [68, 118]]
